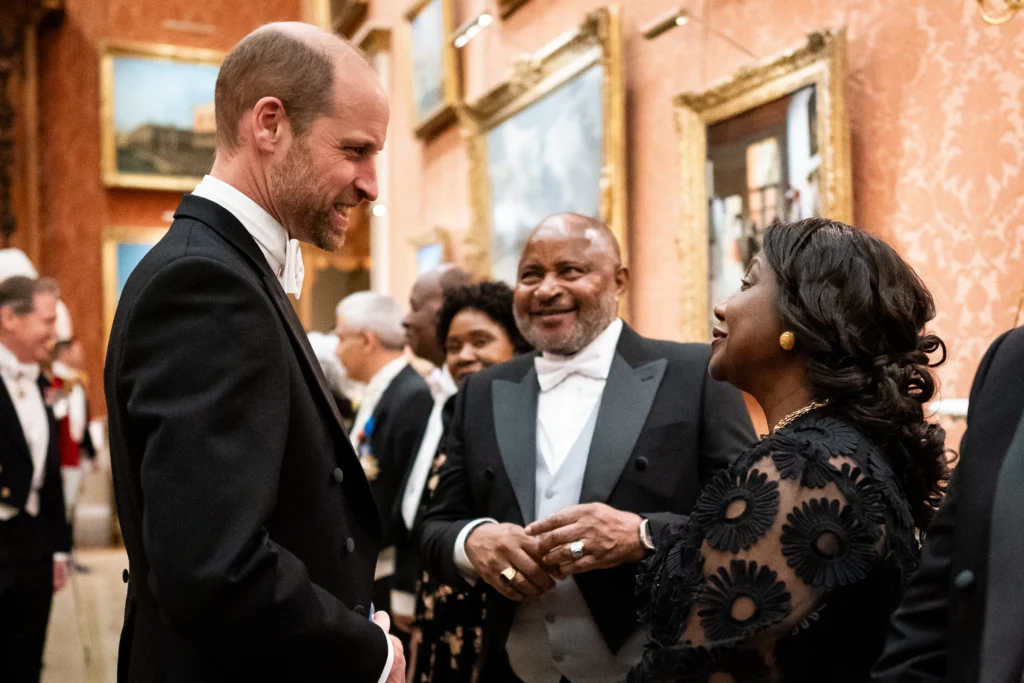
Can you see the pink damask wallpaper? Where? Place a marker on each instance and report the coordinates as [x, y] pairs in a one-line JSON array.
[[936, 100]]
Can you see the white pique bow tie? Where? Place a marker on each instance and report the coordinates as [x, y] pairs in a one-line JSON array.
[[551, 373], [21, 372], [294, 271]]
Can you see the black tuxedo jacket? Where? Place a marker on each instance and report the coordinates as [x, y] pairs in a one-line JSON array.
[[664, 428], [17, 469], [250, 527], [399, 421], [967, 598]]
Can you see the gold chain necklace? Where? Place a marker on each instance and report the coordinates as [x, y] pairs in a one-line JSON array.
[[789, 419]]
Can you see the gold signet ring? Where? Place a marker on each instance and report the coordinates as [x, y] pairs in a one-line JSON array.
[[508, 575]]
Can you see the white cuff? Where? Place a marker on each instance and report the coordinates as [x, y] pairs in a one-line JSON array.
[[61, 557], [462, 563], [390, 661]]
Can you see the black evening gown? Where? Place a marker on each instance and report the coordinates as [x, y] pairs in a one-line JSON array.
[[788, 569]]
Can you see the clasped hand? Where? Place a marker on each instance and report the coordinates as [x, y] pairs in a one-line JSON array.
[[541, 552]]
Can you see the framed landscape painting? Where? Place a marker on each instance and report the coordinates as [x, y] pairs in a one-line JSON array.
[[434, 84], [158, 120], [771, 144], [123, 249], [549, 140]]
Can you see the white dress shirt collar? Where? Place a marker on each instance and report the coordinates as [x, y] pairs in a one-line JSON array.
[[442, 384], [283, 254], [14, 368]]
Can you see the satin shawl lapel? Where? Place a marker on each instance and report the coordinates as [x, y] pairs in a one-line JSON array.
[[515, 425], [1002, 656], [224, 223], [627, 399]]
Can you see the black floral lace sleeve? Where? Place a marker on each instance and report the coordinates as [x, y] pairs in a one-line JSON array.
[[788, 568]]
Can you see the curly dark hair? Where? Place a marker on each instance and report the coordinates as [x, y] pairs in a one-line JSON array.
[[493, 299], [859, 311]]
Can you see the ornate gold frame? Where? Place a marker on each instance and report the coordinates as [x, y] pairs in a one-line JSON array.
[[108, 51], [444, 115], [822, 61], [112, 237], [597, 41], [436, 235], [507, 7]]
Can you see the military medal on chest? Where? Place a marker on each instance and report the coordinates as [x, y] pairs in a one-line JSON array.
[[371, 466]]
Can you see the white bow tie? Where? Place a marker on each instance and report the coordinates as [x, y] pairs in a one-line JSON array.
[[21, 371], [551, 373], [294, 271]]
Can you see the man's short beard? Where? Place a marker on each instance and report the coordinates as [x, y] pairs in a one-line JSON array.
[[294, 184], [589, 327]]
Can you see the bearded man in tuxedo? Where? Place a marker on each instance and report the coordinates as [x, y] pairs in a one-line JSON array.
[[562, 468], [250, 527]]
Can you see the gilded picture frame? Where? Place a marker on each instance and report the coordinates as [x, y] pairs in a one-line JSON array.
[[820, 62], [148, 94], [594, 49], [432, 249], [435, 75], [122, 249]]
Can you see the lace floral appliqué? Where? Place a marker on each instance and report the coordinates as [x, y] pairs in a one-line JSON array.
[[742, 600], [826, 544], [736, 509]]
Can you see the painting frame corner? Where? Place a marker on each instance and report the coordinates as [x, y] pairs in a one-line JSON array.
[[438, 241], [431, 120], [153, 133]]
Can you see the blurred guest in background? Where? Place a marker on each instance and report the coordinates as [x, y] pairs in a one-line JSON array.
[[606, 437], [795, 557], [389, 424], [34, 534], [346, 392], [421, 335], [962, 618], [477, 329], [424, 303]]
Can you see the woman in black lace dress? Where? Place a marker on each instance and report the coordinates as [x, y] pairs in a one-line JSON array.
[[794, 559]]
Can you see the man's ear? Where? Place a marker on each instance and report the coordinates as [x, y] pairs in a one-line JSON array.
[[621, 280], [7, 317], [269, 124]]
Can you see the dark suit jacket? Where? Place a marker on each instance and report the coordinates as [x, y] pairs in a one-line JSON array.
[[938, 632], [16, 471], [663, 429], [250, 528], [398, 425]]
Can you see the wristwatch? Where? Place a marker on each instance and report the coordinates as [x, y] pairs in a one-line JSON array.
[[645, 536]]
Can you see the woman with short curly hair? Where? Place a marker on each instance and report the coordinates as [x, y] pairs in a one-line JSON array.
[[794, 559]]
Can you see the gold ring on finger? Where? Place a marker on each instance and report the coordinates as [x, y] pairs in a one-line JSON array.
[[508, 575]]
